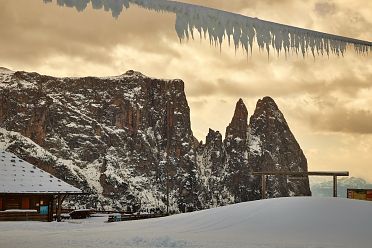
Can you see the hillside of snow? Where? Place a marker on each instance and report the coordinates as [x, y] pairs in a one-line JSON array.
[[281, 223]]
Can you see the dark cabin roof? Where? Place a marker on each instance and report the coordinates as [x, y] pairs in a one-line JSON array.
[[20, 177]]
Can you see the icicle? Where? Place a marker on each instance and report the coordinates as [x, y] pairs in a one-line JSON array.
[[229, 30], [180, 26], [244, 38], [286, 42], [236, 36], [251, 35]]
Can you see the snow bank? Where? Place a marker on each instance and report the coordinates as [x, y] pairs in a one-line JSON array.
[[19, 211], [286, 222]]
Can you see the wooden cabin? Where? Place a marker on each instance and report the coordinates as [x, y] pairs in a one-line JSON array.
[[360, 194], [29, 193]]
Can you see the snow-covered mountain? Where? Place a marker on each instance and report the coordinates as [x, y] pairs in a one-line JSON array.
[[325, 188], [128, 141], [265, 144]]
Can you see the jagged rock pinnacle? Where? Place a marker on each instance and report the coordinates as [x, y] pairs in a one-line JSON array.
[[239, 123], [213, 136], [266, 103], [273, 147]]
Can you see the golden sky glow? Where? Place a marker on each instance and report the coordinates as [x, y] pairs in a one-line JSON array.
[[327, 101]]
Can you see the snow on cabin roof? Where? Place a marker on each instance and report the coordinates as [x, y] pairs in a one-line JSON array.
[[19, 176]]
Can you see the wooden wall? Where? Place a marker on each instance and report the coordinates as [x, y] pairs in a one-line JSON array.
[[26, 202], [22, 216]]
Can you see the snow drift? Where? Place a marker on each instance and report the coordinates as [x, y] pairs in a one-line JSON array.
[[283, 222]]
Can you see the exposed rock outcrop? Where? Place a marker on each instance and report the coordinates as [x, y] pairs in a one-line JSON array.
[[265, 144], [119, 136], [274, 148], [128, 141]]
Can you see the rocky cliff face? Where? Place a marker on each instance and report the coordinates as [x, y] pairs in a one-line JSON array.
[[274, 148], [237, 177], [117, 137], [127, 140], [265, 144]]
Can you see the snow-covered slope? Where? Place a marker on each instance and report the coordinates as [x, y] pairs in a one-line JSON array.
[[276, 223]]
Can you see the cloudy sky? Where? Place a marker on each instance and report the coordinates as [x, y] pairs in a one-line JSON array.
[[327, 101]]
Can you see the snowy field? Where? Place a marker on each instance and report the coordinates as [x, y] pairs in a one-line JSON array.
[[276, 223]]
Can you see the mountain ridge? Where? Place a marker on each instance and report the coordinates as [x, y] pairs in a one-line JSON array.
[[127, 140]]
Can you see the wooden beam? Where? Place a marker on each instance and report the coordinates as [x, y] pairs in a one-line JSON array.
[[302, 173]]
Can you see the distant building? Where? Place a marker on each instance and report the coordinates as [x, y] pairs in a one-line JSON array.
[[29, 193], [360, 194]]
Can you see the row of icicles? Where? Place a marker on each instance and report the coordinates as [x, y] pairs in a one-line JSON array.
[[243, 31]]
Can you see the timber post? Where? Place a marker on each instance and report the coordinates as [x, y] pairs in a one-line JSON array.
[[60, 200], [50, 210], [59, 208], [263, 188], [334, 186]]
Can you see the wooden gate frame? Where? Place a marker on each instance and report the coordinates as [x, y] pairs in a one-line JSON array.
[[333, 174]]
